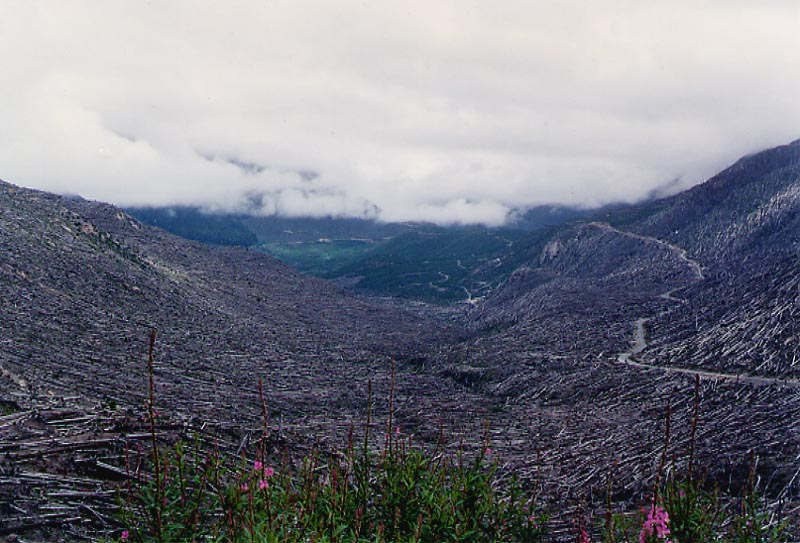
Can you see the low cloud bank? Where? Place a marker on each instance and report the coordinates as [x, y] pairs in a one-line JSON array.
[[394, 110]]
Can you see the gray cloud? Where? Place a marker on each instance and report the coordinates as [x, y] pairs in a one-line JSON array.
[[442, 111]]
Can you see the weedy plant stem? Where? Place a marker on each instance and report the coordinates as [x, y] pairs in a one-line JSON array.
[[609, 528], [264, 420], [695, 420], [390, 421], [151, 412], [369, 419], [663, 460]]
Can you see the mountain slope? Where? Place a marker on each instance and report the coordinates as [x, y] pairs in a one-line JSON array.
[[439, 264], [83, 283], [744, 226], [713, 270], [748, 211]]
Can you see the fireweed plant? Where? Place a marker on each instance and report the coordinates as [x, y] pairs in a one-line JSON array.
[[683, 509], [397, 493]]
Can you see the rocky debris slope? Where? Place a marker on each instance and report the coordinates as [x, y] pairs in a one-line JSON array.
[[714, 271], [83, 284]]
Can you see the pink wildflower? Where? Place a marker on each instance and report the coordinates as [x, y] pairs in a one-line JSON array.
[[245, 488], [257, 465], [124, 535], [656, 525], [584, 536], [268, 471], [263, 485]]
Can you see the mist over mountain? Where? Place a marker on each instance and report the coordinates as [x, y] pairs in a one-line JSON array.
[[453, 116]]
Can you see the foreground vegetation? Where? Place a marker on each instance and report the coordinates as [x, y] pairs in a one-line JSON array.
[[398, 492]]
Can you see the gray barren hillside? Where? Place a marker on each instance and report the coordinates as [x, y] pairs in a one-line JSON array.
[[744, 226], [714, 270], [83, 284]]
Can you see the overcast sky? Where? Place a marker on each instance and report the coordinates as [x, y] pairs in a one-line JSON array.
[[410, 110]]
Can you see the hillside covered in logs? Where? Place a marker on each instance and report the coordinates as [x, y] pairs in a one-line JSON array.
[[572, 360]]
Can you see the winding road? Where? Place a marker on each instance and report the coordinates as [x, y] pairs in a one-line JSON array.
[[681, 252], [639, 344]]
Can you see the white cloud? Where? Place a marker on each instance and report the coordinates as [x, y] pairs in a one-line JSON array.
[[443, 111]]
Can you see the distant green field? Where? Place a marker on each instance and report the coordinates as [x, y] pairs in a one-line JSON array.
[[440, 265], [435, 264], [316, 257]]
